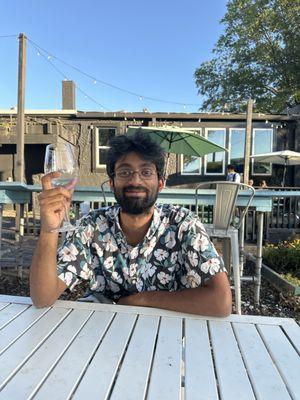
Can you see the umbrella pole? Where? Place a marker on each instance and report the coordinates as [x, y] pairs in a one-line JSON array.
[[284, 173], [166, 166], [168, 158]]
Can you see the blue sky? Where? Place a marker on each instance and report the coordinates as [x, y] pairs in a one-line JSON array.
[[149, 48]]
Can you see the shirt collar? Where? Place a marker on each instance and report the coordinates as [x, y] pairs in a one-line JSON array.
[[118, 233]]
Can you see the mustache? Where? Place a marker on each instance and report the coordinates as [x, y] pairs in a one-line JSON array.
[[135, 188]]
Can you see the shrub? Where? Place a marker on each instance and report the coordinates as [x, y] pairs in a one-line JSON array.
[[284, 257]]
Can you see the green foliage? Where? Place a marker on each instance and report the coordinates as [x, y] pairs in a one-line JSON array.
[[257, 56], [284, 258]]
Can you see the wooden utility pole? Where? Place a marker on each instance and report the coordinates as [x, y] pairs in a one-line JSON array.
[[248, 141], [21, 105], [20, 164]]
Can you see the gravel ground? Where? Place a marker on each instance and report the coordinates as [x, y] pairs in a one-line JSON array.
[[273, 303]]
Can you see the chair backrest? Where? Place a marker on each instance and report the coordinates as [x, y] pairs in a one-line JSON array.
[[225, 202], [103, 186]]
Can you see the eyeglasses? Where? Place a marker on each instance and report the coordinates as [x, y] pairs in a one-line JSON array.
[[144, 173]]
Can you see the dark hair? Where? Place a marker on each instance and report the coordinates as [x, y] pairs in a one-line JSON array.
[[142, 144], [231, 166]]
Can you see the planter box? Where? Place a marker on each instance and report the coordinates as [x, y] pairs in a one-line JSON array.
[[279, 282]]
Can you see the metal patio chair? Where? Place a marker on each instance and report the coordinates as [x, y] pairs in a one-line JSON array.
[[226, 223]]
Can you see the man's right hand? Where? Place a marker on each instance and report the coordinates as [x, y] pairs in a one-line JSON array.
[[54, 201]]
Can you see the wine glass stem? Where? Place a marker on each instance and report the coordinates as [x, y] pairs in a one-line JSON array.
[[66, 216]]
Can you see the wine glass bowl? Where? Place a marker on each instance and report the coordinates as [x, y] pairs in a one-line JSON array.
[[61, 158]]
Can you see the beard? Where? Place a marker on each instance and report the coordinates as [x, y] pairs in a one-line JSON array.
[[136, 205]]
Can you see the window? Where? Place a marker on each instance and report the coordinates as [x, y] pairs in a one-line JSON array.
[[237, 147], [103, 135], [191, 165], [214, 163], [262, 143]]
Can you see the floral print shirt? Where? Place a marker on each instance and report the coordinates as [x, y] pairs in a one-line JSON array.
[[175, 254]]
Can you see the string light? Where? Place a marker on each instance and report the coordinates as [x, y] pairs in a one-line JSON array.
[[86, 95], [141, 97]]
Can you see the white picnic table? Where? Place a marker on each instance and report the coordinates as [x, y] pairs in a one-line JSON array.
[[76, 350]]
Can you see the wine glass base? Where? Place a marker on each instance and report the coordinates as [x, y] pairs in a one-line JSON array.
[[66, 227]]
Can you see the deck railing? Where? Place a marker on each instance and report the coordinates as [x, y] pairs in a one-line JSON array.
[[281, 222]]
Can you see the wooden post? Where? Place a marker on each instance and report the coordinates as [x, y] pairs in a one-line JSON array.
[[248, 141], [20, 165], [21, 103]]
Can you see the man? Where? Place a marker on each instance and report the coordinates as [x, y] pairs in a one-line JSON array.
[[232, 175], [135, 253]]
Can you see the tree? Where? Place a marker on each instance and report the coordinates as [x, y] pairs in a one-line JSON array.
[[257, 56]]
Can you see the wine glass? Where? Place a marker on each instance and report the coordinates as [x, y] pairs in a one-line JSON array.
[[61, 158]]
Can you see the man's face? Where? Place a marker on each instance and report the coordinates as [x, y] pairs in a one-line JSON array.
[[138, 192]]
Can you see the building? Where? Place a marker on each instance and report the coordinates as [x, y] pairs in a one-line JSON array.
[[90, 133]]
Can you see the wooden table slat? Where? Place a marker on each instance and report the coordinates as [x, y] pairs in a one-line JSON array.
[[166, 369], [231, 373], [18, 326], [99, 376], [10, 312], [285, 357], [137, 361], [15, 356], [39, 364], [200, 380], [265, 378], [66, 374], [293, 332], [3, 305]]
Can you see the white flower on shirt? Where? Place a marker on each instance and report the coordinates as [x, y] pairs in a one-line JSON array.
[[148, 247], [109, 242], [179, 215], [134, 253], [200, 242], [163, 277], [170, 240], [148, 270], [184, 227], [139, 285], [161, 254], [125, 272], [69, 253], [85, 272], [98, 249], [193, 279], [87, 235], [193, 258], [116, 277], [108, 262], [212, 266], [68, 276], [174, 257], [132, 269]]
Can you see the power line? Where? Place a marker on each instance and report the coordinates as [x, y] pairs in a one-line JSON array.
[[48, 59], [96, 80], [7, 36]]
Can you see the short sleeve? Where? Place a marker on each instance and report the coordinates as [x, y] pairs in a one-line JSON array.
[[74, 258], [200, 260]]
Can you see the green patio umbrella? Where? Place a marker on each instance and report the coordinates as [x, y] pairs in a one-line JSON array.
[[179, 141]]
